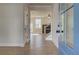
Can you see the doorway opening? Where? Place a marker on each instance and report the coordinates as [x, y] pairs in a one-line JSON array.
[[40, 20]]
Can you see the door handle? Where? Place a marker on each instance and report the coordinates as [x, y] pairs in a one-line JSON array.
[[58, 31]]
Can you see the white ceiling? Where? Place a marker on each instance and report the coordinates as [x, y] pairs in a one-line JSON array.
[[40, 9]]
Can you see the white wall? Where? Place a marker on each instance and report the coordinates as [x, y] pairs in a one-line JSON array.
[[55, 22], [11, 24]]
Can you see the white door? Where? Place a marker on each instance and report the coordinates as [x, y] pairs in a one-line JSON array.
[[66, 28]]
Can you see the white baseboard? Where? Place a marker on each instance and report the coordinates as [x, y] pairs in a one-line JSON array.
[[26, 41], [55, 44], [11, 45]]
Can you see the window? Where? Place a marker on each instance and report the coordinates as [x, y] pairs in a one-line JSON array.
[[38, 22]]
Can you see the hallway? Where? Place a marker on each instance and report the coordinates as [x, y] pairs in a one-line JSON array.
[[37, 46], [52, 25]]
